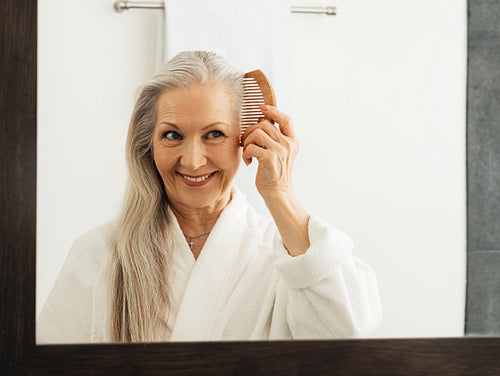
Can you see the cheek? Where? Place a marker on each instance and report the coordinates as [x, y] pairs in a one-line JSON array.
[[231, 157], [239, 156], [234, 163], [163, 161], [223, 157]]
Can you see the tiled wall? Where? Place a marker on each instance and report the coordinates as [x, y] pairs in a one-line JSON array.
[[483, 169]]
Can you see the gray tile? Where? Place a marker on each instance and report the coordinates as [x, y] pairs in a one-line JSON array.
[[484, 15], [483, 169], [483, 126], [483, 293]]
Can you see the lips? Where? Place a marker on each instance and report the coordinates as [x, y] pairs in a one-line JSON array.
[[196, 180]]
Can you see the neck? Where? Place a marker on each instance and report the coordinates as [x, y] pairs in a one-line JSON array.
[[197, 221]]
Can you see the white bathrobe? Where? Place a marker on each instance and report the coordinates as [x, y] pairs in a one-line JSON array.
[[244, 286]]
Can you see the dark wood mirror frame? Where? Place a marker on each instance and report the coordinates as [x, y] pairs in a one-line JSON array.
[[19, 354]]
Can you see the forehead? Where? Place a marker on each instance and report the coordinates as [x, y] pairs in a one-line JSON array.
[[196, 103]]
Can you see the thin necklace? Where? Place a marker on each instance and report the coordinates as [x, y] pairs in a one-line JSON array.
[[190, 238]]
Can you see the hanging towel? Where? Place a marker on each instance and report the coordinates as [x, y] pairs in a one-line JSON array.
[[249, 34], [252, 34]]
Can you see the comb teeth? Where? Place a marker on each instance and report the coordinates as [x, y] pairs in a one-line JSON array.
[[252, 98], [256, 91]]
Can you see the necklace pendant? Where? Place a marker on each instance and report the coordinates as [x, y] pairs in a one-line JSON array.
[[191, 241]]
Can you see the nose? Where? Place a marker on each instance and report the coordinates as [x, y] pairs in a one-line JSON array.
[[193, 156]]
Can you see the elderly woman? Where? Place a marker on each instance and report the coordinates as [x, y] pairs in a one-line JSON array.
[[188, 259]]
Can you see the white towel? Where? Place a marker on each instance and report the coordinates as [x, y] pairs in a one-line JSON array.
[[253, 34], [249, 34]]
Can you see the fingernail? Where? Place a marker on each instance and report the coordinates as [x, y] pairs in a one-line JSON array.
[[264, 107]]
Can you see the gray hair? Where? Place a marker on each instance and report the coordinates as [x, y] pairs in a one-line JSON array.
[[183, 70], [202, 67], [140, 245]]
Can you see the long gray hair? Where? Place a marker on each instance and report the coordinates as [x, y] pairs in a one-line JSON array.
[[140, 260]]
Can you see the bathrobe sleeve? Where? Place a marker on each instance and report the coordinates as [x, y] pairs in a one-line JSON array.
[[68, 313], [327, 292]]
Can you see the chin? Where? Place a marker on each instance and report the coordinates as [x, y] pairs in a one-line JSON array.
[[199, 197], [199, 204]]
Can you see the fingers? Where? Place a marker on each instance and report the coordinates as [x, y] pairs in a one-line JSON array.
[[259, 139], [252, 151], [263, 155], [265, 126], [284, 121], [267, 137]]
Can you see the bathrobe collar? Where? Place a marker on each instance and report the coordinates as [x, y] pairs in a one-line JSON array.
[[196, 312]]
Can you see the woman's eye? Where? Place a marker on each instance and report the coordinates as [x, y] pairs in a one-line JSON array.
[[172, 135], [215, 134]]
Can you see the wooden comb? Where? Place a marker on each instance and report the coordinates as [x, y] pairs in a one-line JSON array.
[[256, 90]]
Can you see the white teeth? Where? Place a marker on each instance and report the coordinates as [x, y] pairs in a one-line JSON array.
[[196, 180]]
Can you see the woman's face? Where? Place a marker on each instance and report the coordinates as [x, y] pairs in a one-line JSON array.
[[196, 146]]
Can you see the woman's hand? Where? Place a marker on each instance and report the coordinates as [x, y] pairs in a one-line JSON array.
[[275, 149]]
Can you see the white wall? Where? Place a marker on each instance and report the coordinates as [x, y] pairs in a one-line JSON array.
[[379, 108]]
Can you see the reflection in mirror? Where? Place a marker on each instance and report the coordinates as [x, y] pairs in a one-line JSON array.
[[378, 106]]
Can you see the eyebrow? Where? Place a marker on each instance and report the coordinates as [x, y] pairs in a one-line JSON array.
[[205, 127]]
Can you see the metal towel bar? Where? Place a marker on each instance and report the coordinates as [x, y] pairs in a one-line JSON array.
[[120, 6]]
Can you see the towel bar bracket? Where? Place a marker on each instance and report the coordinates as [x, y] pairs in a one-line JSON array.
[[121, 6]]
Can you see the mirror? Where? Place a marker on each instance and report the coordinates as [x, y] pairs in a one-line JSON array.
[[19, 355], [379, 108]]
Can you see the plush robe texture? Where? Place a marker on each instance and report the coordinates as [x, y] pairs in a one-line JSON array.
[[243, 286]]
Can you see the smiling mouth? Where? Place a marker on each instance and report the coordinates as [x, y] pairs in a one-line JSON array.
[[196, 179]]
